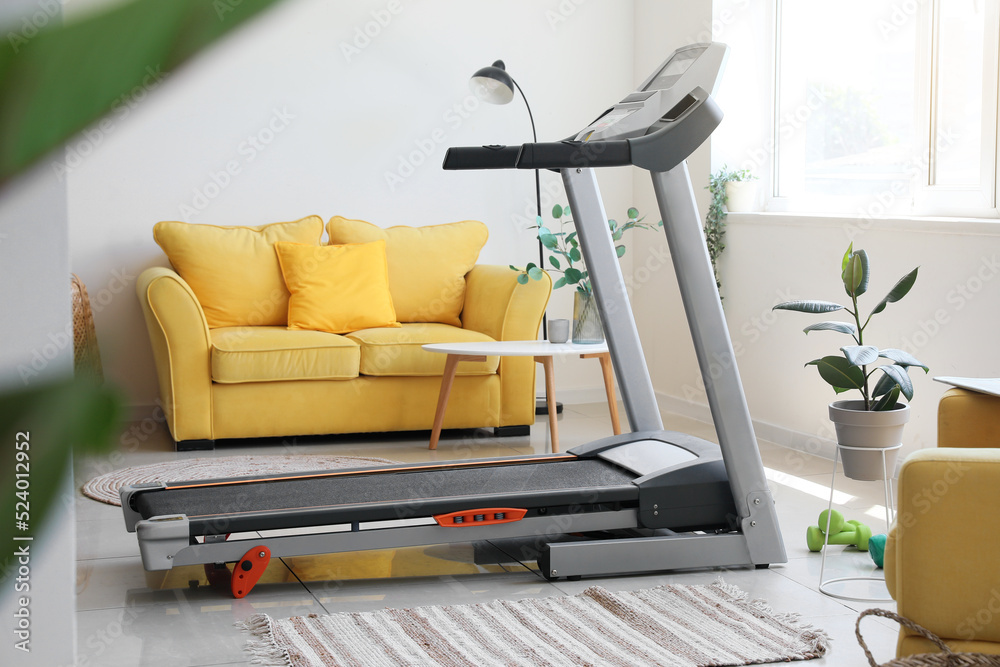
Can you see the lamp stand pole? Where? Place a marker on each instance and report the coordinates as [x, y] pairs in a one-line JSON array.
[[541, 404]]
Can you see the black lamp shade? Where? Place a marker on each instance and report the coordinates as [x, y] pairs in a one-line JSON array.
[[493, 84]]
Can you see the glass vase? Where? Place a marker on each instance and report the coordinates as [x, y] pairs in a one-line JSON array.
[[586, 319]]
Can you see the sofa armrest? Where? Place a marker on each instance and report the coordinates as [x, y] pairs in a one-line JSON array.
[[500, 307], [941, 556], [968, 419], [182, 349]]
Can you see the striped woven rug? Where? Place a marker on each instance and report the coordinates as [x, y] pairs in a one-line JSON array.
[[670, 625]]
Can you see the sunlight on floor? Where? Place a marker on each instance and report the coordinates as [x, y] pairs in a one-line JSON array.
[[805, 486]]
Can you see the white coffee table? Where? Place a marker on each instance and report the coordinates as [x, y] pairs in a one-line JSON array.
[[542, 352]]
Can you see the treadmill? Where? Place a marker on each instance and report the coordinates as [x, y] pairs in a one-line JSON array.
[[644, 501]]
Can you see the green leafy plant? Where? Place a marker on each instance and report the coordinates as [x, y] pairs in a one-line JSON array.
[[851, 370], [564, 248], [715, 221]]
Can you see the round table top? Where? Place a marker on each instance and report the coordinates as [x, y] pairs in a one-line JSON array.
[[517, 348]]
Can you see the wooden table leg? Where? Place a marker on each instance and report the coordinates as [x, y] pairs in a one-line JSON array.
[[609, 387], [447, 379], [550, 398]]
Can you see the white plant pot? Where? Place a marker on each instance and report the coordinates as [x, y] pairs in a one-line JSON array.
[[857, 427], [741, 196]]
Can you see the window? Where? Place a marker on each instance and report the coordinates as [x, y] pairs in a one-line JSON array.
[[878, 106]]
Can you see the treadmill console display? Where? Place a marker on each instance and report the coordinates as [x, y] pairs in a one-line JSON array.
[[687, 68], [677, 65]]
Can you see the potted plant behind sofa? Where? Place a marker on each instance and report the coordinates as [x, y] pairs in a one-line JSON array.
[[732, 191], [877, 419], [565, 258]]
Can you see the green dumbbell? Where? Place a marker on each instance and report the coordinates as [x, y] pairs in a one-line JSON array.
[[841, 532]]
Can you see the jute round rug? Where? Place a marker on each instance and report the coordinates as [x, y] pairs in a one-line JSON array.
[[105, 487]]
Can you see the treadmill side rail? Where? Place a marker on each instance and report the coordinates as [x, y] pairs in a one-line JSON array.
[[644, 554], [167, 551], [160, 538]]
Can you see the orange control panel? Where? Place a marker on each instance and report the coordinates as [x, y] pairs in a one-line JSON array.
[[480, 517]]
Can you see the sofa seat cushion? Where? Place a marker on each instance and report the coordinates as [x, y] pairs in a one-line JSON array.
[[398, 352], [272, 354]]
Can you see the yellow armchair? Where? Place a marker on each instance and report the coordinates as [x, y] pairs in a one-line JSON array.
[[942, 558]]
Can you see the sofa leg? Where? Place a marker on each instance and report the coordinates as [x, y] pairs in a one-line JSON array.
[[512, 431], [194, 445]]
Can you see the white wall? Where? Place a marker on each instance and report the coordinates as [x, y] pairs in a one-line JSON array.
[[333, 114]]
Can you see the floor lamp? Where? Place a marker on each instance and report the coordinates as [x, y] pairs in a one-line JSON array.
[[494, 85]]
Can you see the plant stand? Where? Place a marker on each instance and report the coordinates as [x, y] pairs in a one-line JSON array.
[[889, 512]]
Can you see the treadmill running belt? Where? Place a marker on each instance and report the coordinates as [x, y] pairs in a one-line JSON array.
[[318, 501]]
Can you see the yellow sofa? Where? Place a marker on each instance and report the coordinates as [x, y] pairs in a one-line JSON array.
[[942, 558], [247, 376]]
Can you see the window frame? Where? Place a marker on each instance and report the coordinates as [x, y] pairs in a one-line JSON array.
[[928, 199]]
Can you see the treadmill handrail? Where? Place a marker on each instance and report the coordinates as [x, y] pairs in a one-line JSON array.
[[664, 146]]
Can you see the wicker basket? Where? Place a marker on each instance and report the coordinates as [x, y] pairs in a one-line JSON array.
[[86, 355], [947, 658]]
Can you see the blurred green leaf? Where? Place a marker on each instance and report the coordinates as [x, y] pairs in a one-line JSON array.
[[557, 211], [620, 250], [633, 213], [575, 254], [572, 276], [522, 278], [68, 76], [554, 262], [57, 418], [535, 273]]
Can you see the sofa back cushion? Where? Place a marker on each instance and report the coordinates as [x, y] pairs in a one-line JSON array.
[[427, 265], [337, 288], [234, 271]]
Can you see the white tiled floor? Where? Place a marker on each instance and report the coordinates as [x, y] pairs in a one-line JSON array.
[[129, 617]]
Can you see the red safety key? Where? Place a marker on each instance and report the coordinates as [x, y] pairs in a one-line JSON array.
[[249, 570]]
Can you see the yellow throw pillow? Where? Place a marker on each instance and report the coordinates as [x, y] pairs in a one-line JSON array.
[[233, 270], [427, 265], [337, 288]]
